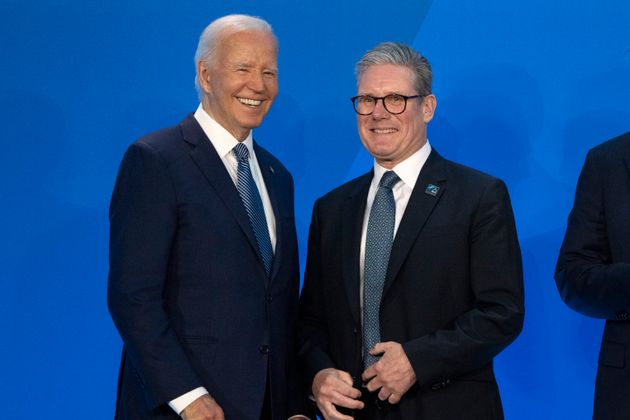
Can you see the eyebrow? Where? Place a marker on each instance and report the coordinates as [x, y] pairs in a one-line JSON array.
[[249, 66], [386, 94]]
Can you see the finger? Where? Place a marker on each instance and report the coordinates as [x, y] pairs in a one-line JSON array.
[[219, 413], [345, 377], [342, 388], [384, 394], [374, 384], [394, 399], [368, 373], [331, 413], [347, 402], [352, 393], [345, 389], [324, 409], [337, 393], [380, 348]]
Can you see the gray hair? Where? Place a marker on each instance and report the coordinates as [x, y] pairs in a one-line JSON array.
[[222, 27], [400, 55]]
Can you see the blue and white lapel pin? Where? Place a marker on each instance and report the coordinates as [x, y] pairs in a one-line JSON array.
[[432, 189]]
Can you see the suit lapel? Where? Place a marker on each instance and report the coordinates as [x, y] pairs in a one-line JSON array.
[[273, 188], [421, 204], [210, 164], [352, 223], [627, 151]]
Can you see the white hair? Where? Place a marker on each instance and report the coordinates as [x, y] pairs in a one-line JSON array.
[[225, 26]]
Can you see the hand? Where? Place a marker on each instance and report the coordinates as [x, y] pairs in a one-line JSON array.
[[334, 387], [393, 373], [203, 408]]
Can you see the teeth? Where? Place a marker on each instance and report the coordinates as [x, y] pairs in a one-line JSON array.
[[383, 130], [250, 102]]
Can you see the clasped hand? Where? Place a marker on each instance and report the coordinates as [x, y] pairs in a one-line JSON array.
[[393, 372]]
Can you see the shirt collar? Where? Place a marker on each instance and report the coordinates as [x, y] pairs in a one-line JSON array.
[[407, 170], [220, 138]]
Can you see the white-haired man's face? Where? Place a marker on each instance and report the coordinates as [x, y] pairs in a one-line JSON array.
[[242, 82]]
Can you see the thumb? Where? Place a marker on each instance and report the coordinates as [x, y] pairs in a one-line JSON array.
[[380, 348]]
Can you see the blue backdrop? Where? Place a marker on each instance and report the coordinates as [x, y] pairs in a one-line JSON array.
[[524, 90]]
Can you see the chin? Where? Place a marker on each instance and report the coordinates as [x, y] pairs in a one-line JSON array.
[[251, 123]]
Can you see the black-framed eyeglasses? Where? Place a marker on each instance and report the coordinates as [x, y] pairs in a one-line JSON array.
[[394, 103]]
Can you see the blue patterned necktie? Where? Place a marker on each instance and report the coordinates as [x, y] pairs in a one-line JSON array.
[[378, 246], [253, 205]]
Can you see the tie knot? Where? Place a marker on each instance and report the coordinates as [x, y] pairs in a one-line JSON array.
[[389, 179], [241, 152]]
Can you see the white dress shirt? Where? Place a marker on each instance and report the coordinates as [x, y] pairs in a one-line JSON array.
[[223, 142], [408, 171]]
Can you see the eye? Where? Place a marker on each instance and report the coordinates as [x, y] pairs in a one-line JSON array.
[[269, 73], [365, 100], [394, 99]]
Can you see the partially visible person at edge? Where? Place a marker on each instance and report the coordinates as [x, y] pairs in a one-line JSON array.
[[593, 270]]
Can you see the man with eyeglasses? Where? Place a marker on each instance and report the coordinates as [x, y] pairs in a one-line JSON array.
[[413, 280]]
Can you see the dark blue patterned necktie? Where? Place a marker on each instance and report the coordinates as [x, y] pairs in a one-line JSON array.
[[378, 246], [253, 204]]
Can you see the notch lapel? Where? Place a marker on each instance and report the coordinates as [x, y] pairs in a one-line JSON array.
[[273, 189], [352, 223], [627, 151], [210, 164], [420, 206]]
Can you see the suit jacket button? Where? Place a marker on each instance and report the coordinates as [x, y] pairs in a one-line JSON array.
[[269, 297], [264, 349], [355, 331]]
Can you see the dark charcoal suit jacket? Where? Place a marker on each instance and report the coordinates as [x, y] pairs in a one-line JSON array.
[[187, 288], [453, 295], [593, 271]]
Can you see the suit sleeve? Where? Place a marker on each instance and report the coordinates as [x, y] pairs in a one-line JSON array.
[[587, 279], [496, 283], [143, 224], [298, 401], [312, 337]]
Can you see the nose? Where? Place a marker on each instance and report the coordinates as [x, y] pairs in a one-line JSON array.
[[256, 82], [379, 110]]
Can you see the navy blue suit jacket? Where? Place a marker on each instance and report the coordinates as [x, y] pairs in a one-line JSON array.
[[593, 271], [187, 288]]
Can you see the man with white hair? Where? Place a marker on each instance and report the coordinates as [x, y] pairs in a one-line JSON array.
[[204, 276]]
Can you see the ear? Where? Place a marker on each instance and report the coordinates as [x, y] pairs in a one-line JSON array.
[[428, 108], [203, 76]]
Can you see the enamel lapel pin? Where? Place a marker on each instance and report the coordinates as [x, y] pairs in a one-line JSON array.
[[432, 190]]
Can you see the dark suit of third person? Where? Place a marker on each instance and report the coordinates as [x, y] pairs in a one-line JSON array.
[[593, 271]]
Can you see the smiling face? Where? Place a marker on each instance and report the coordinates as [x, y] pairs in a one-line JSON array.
[[242, 82], [393, 138]]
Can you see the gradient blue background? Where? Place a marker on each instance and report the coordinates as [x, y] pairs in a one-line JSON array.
[[524, 90]]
